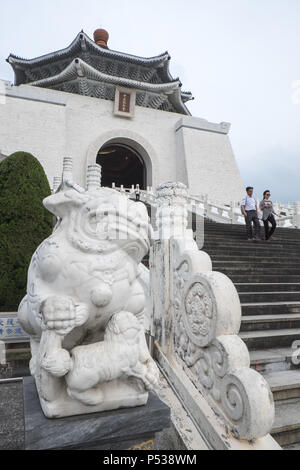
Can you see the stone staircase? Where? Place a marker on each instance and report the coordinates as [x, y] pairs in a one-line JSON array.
[[267, 278]]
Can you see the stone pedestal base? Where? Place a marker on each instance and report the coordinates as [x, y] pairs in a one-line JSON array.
[[125, 428]]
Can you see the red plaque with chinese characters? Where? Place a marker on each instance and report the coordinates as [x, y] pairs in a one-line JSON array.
[[124, 102]]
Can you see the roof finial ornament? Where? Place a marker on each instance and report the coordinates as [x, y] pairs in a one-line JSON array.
[[101, 37]]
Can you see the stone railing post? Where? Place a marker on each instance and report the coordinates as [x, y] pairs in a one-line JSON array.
[[56, 183], [172, 214], [232, 212], [93, 177], [171, 221], [67, 174], [296, 215], [205, 205]]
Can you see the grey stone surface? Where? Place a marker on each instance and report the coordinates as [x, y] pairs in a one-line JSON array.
[[119, 429], [202, 124], [28, 92], [169, 439], [11, 416]]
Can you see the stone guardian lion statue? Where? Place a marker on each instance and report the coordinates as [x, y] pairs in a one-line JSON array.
[[85, 304]]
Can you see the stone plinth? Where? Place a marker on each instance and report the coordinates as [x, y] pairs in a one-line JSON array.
[[126, 428]]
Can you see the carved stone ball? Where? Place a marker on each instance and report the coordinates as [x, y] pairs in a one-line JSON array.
[[101, 295], [101, 37]]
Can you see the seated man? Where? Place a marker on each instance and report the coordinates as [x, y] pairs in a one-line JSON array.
[[249, 210]]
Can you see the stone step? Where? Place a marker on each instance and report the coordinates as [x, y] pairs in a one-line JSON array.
[[270, 322], [211, 224], [270, 338], [270, 308], [280, 231], [260, 266], [258, 251], [252, 261], [263, 250], [286, 428], [242, 240], [213, 241], [255, 297], [241, 229], [261, 277], [267, 278], [241, 255], [241, 236], [284, 384], [251, 269], [267, 287], [268, 360], [295, 446]]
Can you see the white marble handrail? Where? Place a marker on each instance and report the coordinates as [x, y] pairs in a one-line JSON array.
[[224, 213]]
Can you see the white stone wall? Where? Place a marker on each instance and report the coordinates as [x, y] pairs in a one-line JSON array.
[[52, 124], [207, 160], [34, 123]]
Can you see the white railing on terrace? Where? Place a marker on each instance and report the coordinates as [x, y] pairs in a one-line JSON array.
[[218, 212]]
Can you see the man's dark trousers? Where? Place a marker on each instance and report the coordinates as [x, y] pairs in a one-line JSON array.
[[252, 217]]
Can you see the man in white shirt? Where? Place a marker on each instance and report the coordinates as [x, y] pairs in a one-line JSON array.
[[249, 210]]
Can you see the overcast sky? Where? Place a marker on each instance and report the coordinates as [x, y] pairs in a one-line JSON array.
[[240, 58]]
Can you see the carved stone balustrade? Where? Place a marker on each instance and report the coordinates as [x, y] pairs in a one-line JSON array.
[[196, 320]]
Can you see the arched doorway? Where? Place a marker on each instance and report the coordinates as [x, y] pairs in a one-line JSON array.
[[121, 165]]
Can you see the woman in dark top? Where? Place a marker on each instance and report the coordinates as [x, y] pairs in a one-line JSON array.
[[266, 206]]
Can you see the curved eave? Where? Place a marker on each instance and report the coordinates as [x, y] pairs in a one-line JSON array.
[[164, 70], [176, 100], [166, 76], [186, 96], [79, 68], [81, 42]]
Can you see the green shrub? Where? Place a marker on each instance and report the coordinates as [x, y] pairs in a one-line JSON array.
[[24, 223]]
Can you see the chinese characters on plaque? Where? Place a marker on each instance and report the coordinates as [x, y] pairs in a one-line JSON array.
[[10, 328], [124, 102]]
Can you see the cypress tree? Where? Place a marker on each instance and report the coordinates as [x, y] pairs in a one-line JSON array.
[[24, 223]]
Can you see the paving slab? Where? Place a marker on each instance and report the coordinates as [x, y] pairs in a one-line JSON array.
[[11, 416]]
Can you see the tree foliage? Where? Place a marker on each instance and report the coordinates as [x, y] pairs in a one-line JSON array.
[[24, 223]]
